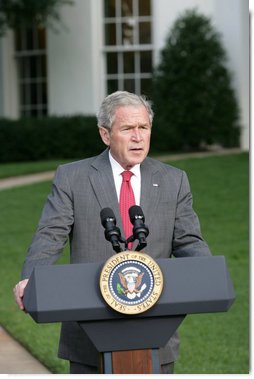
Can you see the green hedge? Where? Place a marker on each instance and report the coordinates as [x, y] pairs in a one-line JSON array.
[[49, 138], [54, 138]]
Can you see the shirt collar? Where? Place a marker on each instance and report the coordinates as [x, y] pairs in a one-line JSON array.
[[118, 169]]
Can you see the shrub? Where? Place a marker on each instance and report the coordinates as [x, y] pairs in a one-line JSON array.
[[49, 138], [193, 99]]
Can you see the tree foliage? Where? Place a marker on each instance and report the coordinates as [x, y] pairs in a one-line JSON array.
[[14, 13], [33, 139], [193, 99]]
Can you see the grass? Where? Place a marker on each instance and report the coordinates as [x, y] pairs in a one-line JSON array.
[[220, 341], [210, 343], [24, 168]]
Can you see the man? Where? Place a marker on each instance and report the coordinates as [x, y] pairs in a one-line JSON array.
[[81, 189]]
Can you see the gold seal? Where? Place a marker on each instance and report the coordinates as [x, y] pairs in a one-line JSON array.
[[131, 282]]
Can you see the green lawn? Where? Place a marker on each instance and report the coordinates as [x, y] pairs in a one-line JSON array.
[[210, 343], [25, 168]]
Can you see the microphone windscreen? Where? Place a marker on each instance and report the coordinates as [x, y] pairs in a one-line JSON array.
[[105, 214], [134, 211]]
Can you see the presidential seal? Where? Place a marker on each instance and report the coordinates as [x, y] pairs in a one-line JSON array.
[[131, 282]]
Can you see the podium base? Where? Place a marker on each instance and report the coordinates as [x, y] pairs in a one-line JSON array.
[[130, 362]]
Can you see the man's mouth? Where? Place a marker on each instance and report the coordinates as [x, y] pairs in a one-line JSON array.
[[136, 149]]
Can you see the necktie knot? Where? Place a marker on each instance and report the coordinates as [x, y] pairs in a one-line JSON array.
[[127, 176]]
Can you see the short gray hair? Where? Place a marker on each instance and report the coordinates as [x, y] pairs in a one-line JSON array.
[[111, 103]]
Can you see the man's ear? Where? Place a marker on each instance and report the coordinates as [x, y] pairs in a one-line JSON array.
[[104, 133]]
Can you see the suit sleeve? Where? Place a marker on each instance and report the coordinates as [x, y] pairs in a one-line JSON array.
[[54, 227], [187, 238]]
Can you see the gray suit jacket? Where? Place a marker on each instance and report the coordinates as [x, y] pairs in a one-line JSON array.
[[79, 191]]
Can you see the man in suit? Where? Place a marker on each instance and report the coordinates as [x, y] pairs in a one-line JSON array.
[[81, 189]]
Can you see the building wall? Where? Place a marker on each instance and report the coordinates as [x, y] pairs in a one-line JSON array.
[[8, 78], [75, 71], [232, 20]]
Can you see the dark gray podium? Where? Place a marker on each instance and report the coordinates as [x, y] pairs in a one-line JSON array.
[[71, 293]]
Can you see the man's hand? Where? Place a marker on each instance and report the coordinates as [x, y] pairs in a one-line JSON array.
[[18, 291]]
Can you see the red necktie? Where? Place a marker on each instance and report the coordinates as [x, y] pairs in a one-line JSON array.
[[127, 199]]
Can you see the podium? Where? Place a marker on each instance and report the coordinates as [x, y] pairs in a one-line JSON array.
[[71, 292]]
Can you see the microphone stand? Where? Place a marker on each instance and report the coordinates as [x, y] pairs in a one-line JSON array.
[[141, 245]]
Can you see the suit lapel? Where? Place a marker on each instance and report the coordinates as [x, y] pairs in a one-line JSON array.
[[102, 181], [150, 189]]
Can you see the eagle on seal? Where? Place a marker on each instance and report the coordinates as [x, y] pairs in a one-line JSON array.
[[131, 282]]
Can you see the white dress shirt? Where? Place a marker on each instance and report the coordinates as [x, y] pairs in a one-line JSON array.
[[135, 179]]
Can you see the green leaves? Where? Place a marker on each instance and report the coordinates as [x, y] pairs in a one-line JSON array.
[[120, 289], [194, 102], [15, 13]]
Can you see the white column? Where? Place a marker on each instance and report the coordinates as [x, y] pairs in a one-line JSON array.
[[9, 82], [74, 70], [232, 20]]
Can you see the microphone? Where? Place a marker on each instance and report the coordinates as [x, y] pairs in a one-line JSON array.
[[140, 230], [112, 232]]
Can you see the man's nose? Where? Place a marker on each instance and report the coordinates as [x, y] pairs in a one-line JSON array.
[[136, 135]]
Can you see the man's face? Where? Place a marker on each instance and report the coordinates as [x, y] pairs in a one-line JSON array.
[[129, 138]]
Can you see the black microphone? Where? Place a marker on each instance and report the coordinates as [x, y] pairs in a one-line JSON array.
[[112, 232], [140, 230]]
